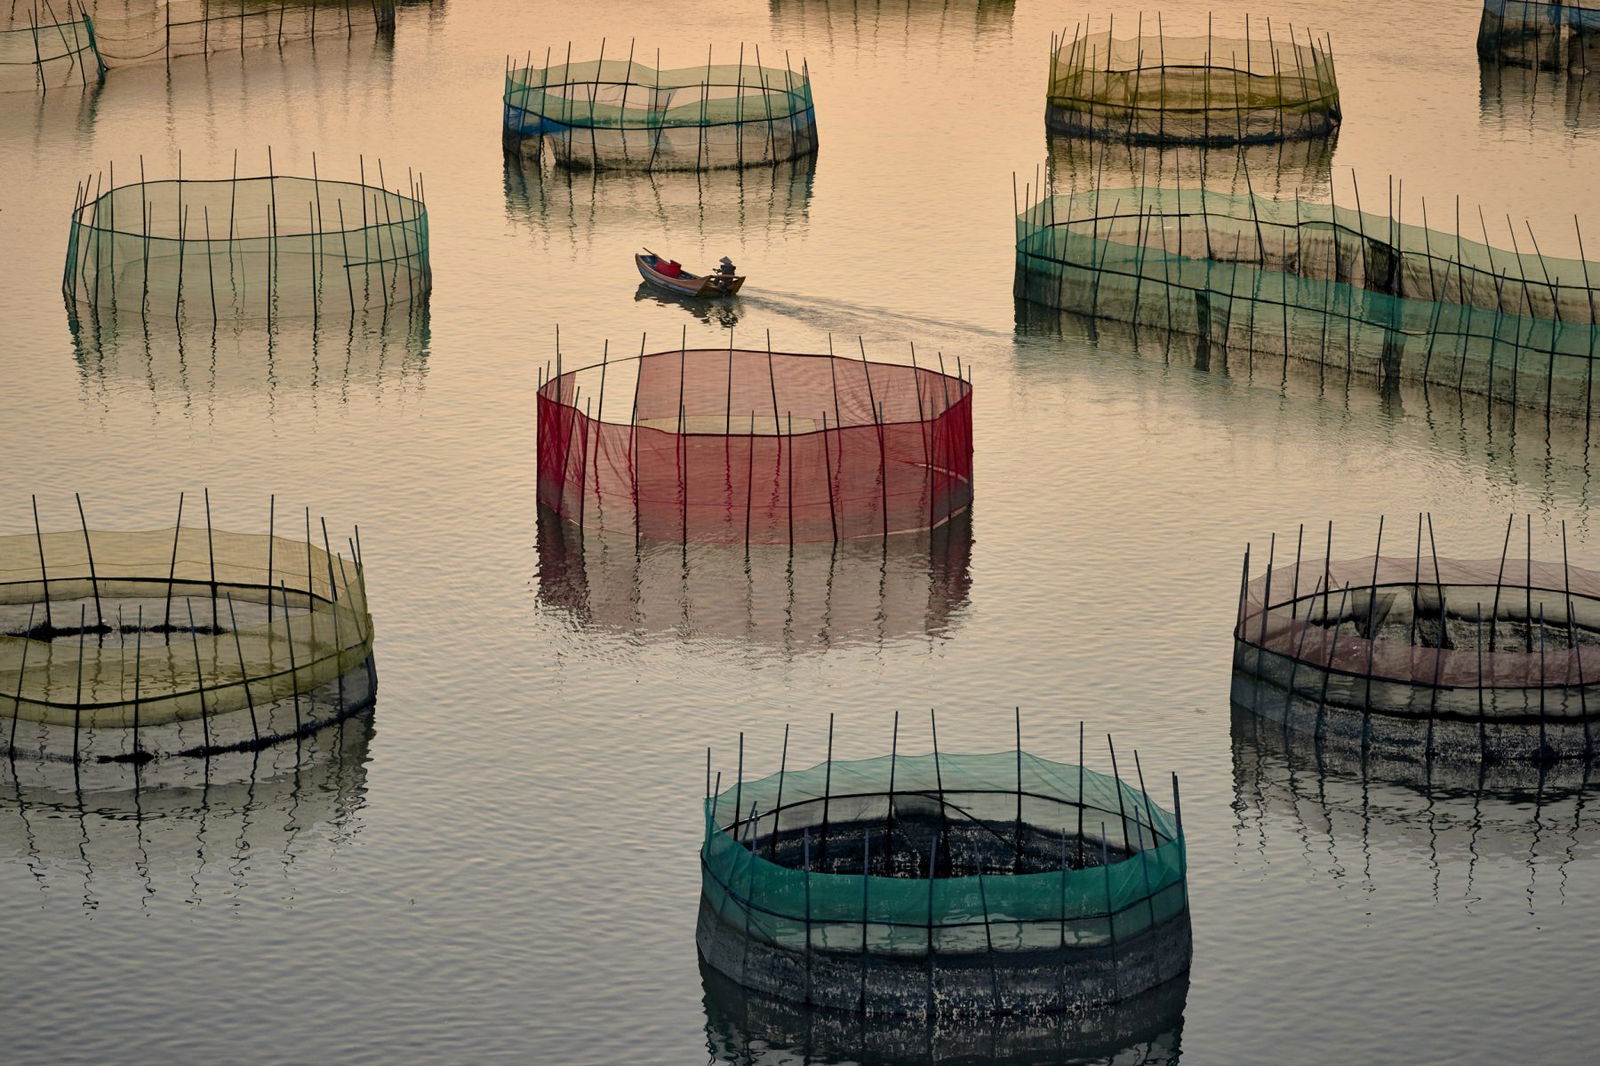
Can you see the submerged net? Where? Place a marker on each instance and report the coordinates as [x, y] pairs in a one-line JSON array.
[[623, 114], [44, 47], [1320, 281], [129, 645], [1196, 90], [1554, 36], [745, 1028], [247, 248], [139, 31], [755, 447], [909, 885]]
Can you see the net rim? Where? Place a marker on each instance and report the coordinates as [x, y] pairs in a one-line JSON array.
[[963, 392], [414, 210]]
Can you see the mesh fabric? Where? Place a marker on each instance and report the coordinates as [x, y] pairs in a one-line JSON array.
[[755, 447], [1319, 281], [614, 114], [1206, 90]]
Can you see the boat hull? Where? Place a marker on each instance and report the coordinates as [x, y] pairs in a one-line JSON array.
[[691, 285]]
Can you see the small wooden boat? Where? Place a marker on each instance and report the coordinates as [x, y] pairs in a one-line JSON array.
[[669, 275]]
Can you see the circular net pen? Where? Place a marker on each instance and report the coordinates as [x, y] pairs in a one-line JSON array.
[[943, 885], [626, 115], [1373, 293], [1564, 35], [143, 31], [44, 47], [755, 447], [192, 641], [246, 248], [1263, 86], [1417, 656]]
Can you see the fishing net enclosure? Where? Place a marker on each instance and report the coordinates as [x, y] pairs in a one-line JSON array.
[[1423, 656], [246, 248], [141, 31], [943, 885], [755, 447], [1363, 291], [624, 114], [44, 47], [129, 646], [1564, 35], [1262, 86]]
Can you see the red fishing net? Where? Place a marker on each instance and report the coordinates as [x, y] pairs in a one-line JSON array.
[[761, 447]]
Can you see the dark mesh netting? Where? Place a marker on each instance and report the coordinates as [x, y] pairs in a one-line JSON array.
[[1564, 35], [745, 1028], [755, 447]]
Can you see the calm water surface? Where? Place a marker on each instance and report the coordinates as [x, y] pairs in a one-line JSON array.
[[501, 865]]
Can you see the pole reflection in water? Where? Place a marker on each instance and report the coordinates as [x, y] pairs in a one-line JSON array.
[[804, 598], [745, 1028], [194, 830], [381, 352], [1523, 98], [751, 205], [1282, 169], [1478, 833], [1521, 445], [920, 24]]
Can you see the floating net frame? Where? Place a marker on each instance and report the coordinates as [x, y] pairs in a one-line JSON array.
[[1424, 657], [1196, 90], [1369, 293], [796, 597], [1557, 36], [980, 899], [266, 247], [746, 1028], [713, 439], [142, 31], [43, 49], [197, 830], [129, 646], [613, 114]]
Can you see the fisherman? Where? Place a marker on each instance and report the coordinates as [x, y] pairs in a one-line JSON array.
[[726, 268]]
